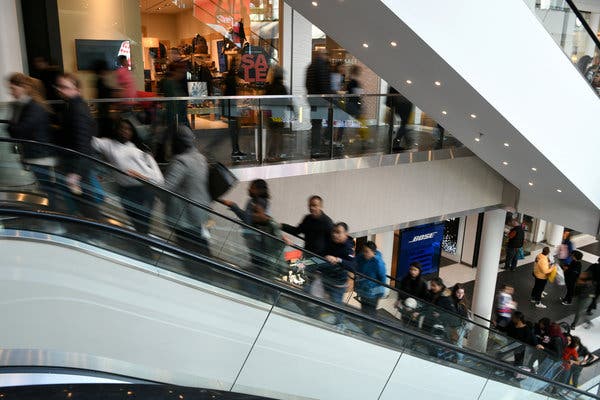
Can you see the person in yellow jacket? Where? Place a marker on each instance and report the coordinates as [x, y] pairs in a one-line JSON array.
[[541, 270]]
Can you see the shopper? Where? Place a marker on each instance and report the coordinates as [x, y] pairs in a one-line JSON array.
[[504, 306], [565, 249], [230, 88], [78, 128], [354, 103], [441, 297], [275, 87], [340, 261], [29, 121], [541, 270], [576, 369], [187, 175], [137, 198], [266, 253], [104, 90], [413, 284], [315, 226], [519, 330], [516, 238], [594, 271], [318, 81], [583, 291], [462, 309], [369, 263], [124, 77], [572, 272], [401, 106], [570, 357]]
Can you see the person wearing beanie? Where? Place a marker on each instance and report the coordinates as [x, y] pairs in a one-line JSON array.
[[413, 284]]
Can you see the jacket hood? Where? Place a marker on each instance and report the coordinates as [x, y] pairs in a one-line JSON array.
[[184, 140]]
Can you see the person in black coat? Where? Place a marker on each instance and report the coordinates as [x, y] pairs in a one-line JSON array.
[[30, 121], [441, 297], [572, 272], [340, 261], [78, 128], [318, 81], [413, 285], [316, 227]]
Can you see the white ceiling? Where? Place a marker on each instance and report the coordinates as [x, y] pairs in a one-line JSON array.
[[413, 59]]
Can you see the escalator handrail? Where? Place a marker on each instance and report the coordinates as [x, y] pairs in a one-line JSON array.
[[593, 35], [251, 228], [281, 287]]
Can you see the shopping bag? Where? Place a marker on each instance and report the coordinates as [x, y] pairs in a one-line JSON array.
[[560, 276], [552, 275], [220, 180]]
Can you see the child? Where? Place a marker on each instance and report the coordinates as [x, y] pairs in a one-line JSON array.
[[504, 306]]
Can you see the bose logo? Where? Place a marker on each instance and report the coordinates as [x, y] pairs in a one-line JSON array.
[[426, 236]]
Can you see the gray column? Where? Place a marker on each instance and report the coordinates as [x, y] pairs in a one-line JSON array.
[[487, 274], [554, 234]]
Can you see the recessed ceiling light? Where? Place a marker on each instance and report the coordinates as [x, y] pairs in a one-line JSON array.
[[409, 81], [393, 44], [506, 144], [559, 191], [473, 116], [444, 112], [314, 3], [533, 169], [365, 45], [530, 183], [504, 162], [477, 139], [437, 83]]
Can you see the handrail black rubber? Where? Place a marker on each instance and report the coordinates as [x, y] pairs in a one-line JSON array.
[[249, 227], [280, 287]]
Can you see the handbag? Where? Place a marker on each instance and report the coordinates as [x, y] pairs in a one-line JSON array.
[[552, 275], [220, 180], [560, 276]]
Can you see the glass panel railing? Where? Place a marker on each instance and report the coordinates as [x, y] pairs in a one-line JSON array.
[[570, 29], [261, 130], [439, 353], [77, 186]]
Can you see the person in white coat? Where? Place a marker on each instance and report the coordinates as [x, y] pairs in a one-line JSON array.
[[137, 198]]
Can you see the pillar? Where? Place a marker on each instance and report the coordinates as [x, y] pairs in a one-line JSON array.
[[385, 244], [554, 234], [487, 274]]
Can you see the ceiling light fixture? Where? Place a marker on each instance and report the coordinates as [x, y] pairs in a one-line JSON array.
[[506, 145], [393, 44], [530, 183], [477, 139], [365, 45], [437, 83], [559, 191], [504, 162], [409, 81], [473, 116], [533, 169], [314, 3], [444, 112]]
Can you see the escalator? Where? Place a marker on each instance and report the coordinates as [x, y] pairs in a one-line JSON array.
[[97, 295]]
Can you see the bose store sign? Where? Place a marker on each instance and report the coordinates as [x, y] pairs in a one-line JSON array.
[[422, 244]]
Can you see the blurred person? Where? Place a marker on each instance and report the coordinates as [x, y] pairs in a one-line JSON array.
[[583, 290], [594, 272], [401, 106], [340, 261], [42, 70], [125, 80], [541, 271], [572, 272], [337, 77], [516, 238], [318, 81], [576, 369], [230, 88], [519, 330], [187, 175], [104, 90], [570, 357], [78, 128], [176, 113], [266, 253], [275, 87], [565, 249], [439, 295], [354, 103], [30, 121], [552, 341], [369, 263], [315, 226], [461, 307], [125, 153], [505, 305], [413, 284]]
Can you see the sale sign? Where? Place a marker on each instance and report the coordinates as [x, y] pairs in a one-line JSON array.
[[254, 67]]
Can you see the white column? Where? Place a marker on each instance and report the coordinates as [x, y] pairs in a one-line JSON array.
[[554, 234], [487, 273], [385, 244]]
